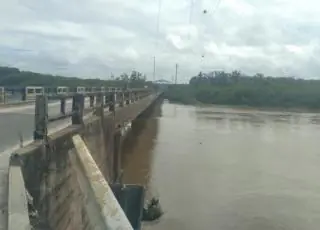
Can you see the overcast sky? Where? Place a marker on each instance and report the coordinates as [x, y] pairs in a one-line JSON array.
[[95, 38]]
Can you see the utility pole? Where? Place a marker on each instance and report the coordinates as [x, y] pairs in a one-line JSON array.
[[176, 77], [154, 68]]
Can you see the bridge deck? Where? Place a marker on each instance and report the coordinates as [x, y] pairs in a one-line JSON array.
[[12, 122]]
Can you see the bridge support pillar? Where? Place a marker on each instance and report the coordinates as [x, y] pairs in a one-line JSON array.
[[77, 109], [63, 106], [41, 118]]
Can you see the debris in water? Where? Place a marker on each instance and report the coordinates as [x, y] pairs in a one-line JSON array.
[[153, 211]]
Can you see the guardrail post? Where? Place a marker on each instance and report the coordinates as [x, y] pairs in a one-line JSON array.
[[127, 97], [2, 95], [91, 101], [107, 98], [24, 95], [100, 105], [77, 109], [63, 106], [112, 104], [122, 98], [131, 97], [41, 118], [99, 99]]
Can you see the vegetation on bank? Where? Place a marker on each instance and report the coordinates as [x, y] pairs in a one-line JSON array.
[[15, 77], [257, 91]]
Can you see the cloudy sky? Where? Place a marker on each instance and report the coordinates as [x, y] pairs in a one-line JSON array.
[[94, 38]]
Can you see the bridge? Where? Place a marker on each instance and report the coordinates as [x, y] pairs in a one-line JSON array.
[[60, 162]]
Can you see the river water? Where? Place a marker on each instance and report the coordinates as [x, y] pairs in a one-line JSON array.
[[228, 169]]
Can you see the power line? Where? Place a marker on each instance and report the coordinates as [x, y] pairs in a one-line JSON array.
[[190, 16], [158, 18], [217, 6], [157, 38]]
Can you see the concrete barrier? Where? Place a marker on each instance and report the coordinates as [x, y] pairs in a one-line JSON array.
[[18, 215], [102, 206]]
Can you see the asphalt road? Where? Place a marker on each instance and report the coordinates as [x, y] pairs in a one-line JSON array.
[[16, 121]]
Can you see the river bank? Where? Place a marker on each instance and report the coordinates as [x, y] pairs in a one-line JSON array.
[[252, 108]]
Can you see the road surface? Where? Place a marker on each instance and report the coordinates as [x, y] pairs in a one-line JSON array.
[[20, 120]]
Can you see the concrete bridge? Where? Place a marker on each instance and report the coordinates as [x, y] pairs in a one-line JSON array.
[[67, 176]]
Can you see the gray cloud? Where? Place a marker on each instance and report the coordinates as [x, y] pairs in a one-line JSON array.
[[99, 37]]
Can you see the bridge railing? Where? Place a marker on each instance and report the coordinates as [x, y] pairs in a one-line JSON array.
[[28, 94], [98, 102]]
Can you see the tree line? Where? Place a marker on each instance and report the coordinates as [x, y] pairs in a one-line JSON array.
[[14, 77], [235, 88]]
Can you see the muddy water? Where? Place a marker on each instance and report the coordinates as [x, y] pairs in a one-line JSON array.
[[223, 168]]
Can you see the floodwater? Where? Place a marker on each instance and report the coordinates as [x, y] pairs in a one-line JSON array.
[[228, 169]]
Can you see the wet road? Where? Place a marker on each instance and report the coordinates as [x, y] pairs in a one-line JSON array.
[[228, 169], [15, 120]]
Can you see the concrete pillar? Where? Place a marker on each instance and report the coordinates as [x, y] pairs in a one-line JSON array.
[[99, 99], [131, 97], [24, 94], [41, 118], [63, 106], [77, 109], [91, 101], [122, 98], [112, 101], [107, 98], [2, 95], [100, 105], [127, 98]]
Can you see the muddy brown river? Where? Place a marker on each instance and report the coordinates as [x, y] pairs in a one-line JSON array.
[[228, 169]]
